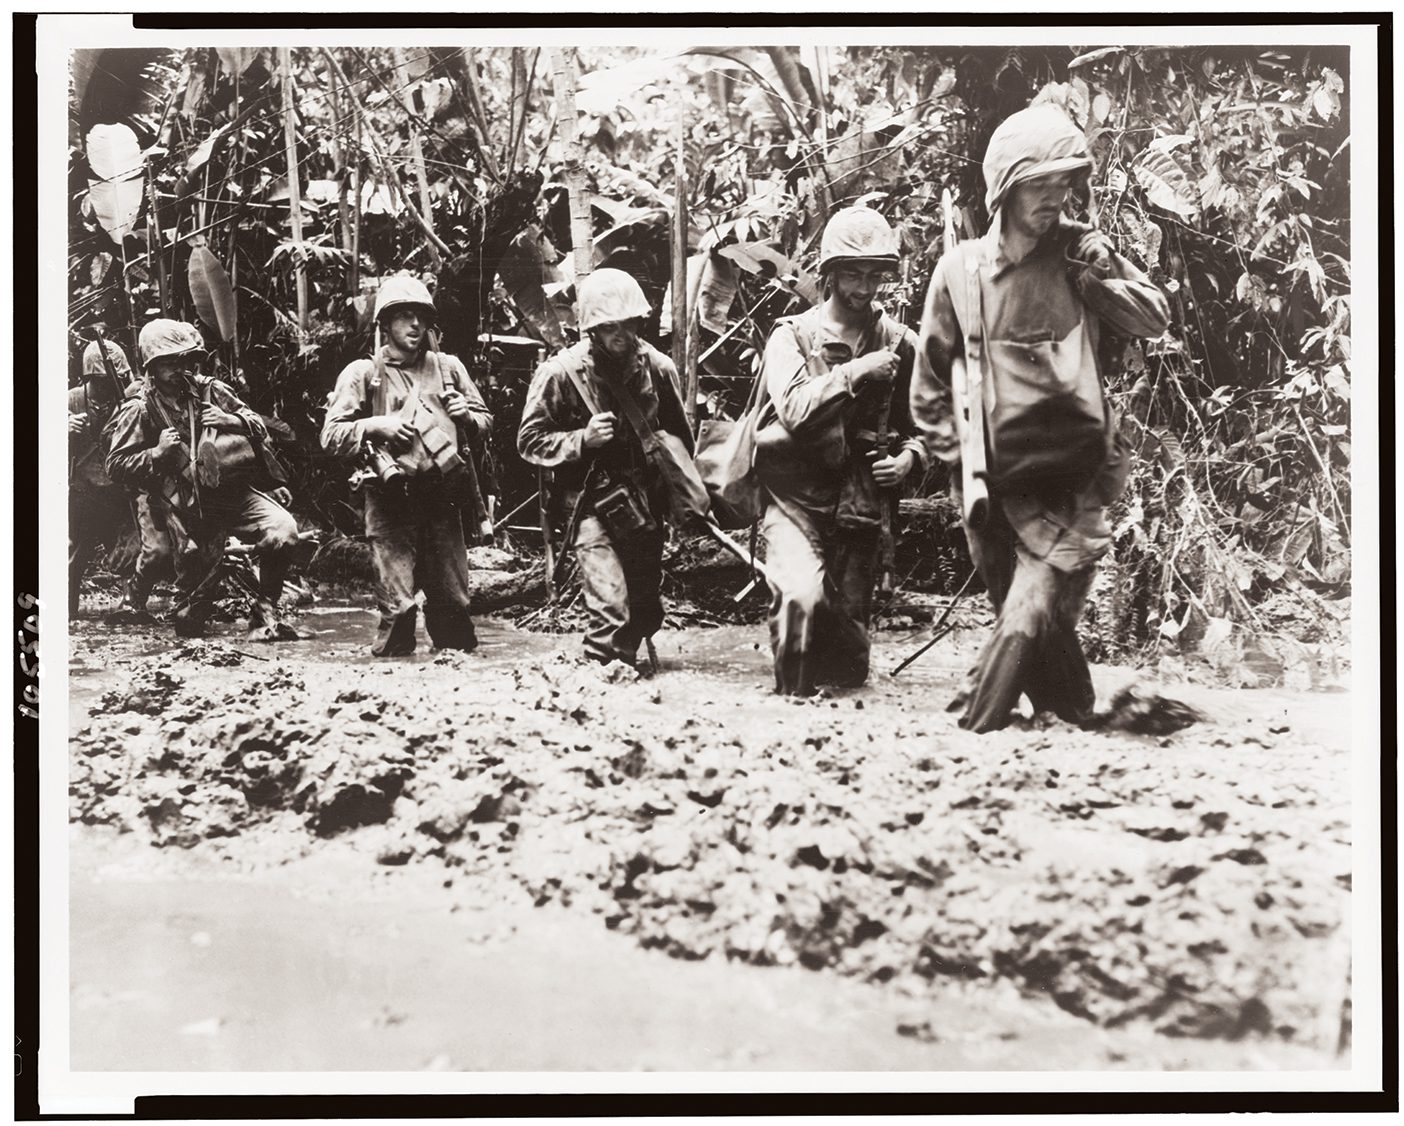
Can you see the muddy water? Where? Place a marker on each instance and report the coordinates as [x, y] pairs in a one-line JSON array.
[[483, 862]]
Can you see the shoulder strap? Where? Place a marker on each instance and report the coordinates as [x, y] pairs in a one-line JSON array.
[[582, 387], [630, 406], [974, 305]]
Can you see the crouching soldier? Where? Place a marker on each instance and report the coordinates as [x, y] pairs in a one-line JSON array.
[[583, 419], [832, 447], [1022, 308], [203, 456], [407, 415]]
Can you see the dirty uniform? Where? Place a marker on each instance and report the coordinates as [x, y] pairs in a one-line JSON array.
[[1038, 550], [198, 520], [620, 577], [98, 510], [416, 533], [823, 509]]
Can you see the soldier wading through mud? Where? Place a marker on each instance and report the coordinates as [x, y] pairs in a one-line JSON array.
[[1024, 305], [832, 447], [407, 415], [203, 455], [98, 510], [583, 419]]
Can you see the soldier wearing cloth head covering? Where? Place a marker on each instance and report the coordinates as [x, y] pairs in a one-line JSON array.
[[412, 405], [833, 444], [574, 424], [156, 443], [98, 510], [1040, 287]]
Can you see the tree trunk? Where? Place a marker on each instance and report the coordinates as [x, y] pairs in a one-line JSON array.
[[581, 225], [679, 287], [356, 207], [416, 154], [478, 120], [294, 190]]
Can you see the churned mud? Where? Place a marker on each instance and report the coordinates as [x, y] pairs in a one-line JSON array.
[[821, 872]]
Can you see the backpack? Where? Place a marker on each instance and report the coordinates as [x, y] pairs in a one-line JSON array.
[[727, 450], [1046, 417]]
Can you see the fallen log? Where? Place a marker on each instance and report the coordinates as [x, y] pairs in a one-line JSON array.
[[496, 590]]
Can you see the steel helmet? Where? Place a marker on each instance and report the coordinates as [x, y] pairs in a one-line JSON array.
[[858, 232], [162, 337], [92, 359], [1038, 141], [609, 297], [402, 289]]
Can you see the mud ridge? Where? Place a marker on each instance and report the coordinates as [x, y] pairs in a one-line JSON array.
[[1195, 882]]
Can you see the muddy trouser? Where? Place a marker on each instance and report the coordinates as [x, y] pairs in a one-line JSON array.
[[1034, 649], [246, 514], [620, 582], [819, 613], [417, 543], [156, 553], [95, 516]]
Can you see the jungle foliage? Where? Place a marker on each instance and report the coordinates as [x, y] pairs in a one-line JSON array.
[[1223, 171]]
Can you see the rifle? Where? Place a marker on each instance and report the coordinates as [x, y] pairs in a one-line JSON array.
[[118, 390], [480, 517], [577, 512], [887, 545], [967, 397]]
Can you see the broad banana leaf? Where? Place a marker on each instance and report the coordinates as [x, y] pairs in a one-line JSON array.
[[1165, 181], [116, 189], [632, 224], [521, 272], [714, 291], [214, 297], [763, 259], [236, 60]]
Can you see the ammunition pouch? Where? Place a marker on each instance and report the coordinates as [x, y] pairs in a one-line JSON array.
[[623, 509]]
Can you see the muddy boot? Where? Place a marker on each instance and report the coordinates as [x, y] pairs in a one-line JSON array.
[[133, 609], [450, 628], [189, 624], [266, 625], [399, 639]]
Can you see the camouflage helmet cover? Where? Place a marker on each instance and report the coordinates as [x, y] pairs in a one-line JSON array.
[[402, 289], [92, 359], [609, 296], [163, 337], [858, 233]]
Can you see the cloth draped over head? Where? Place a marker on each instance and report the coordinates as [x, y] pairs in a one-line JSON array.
[[1038, 141]]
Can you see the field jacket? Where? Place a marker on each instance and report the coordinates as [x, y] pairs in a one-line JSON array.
[[808, 381], [1033, 302], [408, 389], [132, 460], [554, 417]]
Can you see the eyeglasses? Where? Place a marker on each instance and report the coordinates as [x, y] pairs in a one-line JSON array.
[[875, 275]]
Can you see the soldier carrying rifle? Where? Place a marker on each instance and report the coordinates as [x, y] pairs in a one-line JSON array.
[[833, 445], [1016, 316], [407, 416], [594, 415], [204, 456]]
